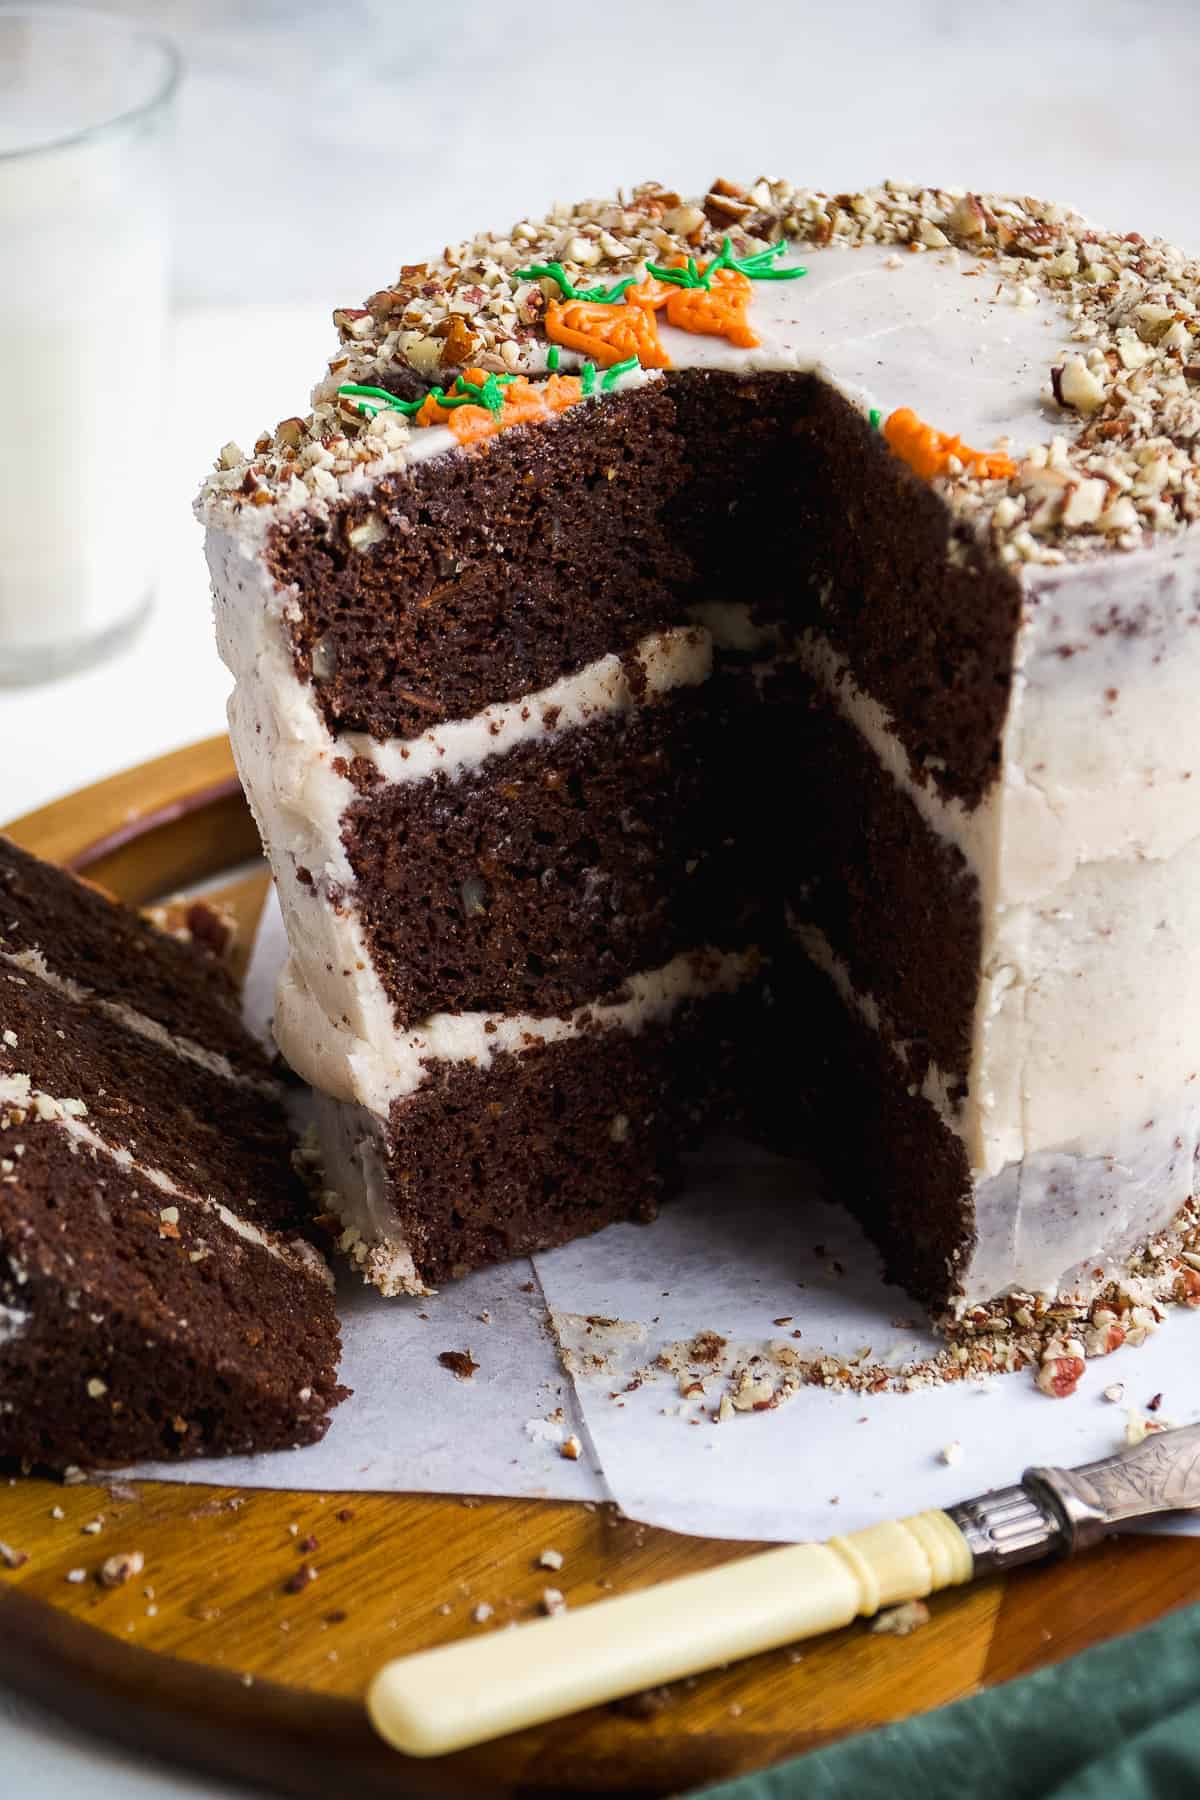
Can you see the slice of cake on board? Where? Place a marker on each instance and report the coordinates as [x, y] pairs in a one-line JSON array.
[[159, 1295], [734, 659]]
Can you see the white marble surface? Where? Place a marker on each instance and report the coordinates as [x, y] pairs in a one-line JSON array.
[[319, 145]]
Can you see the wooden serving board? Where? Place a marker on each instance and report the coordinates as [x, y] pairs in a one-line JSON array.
[[209, 1658]]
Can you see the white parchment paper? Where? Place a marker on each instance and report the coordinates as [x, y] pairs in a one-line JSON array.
[[575, 1342]]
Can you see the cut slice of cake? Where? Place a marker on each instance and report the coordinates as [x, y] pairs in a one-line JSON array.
[[733, 660], [159, 1295]]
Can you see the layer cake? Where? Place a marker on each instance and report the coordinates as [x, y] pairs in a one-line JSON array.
[[731, 662]]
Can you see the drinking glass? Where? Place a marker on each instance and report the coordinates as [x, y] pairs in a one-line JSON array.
[[85, 101]]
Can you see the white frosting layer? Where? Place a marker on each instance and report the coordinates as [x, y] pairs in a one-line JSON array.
[[34, 962], [935, 1084], [669, 659], [350, 1068], [354, 1151]]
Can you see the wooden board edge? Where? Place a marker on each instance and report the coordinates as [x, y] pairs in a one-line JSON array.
[[178, 819], [287, 1739]]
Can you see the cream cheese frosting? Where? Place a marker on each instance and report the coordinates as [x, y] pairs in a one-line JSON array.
[[1014, 324]]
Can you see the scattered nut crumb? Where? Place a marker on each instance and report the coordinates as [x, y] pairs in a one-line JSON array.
[[1059, 1376], [571, 1448], [550, 1559], [76, 1575], [951, 1453], [482, 1613], [13, 1559], [899, 1621], [1114, 1393], [553, 1601]]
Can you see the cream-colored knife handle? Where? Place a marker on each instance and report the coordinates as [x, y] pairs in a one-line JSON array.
[[464, 1693]]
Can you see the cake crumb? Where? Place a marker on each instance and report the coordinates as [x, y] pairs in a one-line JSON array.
[[460, 1363], [76, 1575], [571, 1448], [550, 1559], [92, 1527], [13, 1559], [900, 1621], [483, 1613], [56, 1512], [1138, 1428], [553, 1601]]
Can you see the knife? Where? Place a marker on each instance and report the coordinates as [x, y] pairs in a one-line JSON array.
[[465, 1693]]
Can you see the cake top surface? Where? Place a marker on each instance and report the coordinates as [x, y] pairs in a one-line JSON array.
[[1043, 373]]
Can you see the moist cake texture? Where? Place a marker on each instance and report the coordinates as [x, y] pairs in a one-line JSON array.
[[159, 1296], [731, 661]]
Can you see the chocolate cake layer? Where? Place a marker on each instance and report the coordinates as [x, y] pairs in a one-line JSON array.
[[121, 958], [559, 1140], [130, 1332], [794, 505], [220, 1138], [548, 875], [896, 903], [835, 1090], [490, 575]]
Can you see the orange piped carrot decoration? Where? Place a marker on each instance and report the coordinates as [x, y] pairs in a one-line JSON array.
[[718, 311], [611, 324], [929, 451], [606, 332], [512, 402]]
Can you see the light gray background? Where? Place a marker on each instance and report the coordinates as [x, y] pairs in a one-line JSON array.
[[321, 145]]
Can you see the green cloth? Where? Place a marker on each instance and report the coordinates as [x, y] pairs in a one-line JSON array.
[[1121, 1722]]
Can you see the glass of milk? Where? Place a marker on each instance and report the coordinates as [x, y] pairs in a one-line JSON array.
[[85, 100]]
